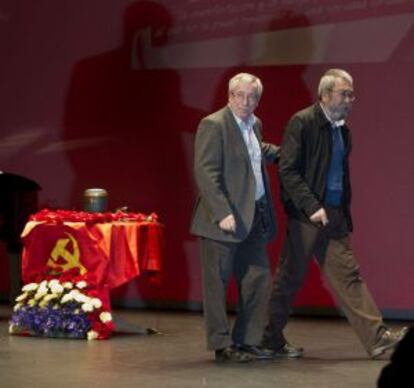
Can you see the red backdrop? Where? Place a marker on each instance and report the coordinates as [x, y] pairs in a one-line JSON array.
[[109, 94]]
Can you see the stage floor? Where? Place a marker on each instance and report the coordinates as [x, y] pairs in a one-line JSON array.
[[334, 358]]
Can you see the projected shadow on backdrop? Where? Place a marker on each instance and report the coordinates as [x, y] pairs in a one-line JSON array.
[[126, 123]]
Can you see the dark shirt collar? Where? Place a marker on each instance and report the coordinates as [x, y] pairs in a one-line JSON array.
[[338, 123]]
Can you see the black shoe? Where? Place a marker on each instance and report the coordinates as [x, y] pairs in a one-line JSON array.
[[231, 354], [258, 352], [388, 340], [288, 351]]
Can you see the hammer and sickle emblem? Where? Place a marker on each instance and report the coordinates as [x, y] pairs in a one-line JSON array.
[[71, 258]]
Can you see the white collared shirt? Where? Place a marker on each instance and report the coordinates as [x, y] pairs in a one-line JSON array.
[[254, 149]]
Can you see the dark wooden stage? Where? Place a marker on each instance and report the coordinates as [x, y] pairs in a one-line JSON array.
[[334, 358]]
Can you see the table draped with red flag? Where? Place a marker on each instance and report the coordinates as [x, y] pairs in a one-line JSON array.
[[102, 250]]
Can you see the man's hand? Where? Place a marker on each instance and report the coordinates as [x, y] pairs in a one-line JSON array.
[[320, 216], [228, 224]]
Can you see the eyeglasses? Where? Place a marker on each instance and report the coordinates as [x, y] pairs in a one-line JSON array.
[[242, 96], [345, 94]]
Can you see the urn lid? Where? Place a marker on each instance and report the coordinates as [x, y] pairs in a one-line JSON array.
[[95, 192]]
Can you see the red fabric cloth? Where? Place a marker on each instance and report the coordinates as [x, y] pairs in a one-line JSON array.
[[113, 253]]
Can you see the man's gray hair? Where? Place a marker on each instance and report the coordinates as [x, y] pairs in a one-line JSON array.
[[328, 80], [245, 78]]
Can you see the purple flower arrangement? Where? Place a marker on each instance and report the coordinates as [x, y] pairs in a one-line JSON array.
[[49, 321], [62, 310]]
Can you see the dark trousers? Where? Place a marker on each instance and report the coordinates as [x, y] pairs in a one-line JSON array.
[[331, 248], [248, 261]]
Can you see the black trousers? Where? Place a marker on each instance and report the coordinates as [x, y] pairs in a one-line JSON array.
[[331, 247], [248, 262]]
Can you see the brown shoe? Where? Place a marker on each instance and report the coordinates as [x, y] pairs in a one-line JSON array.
[[388, 341], [231, 354]]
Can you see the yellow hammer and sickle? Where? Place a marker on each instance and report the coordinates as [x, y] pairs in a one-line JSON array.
[[72, 259]]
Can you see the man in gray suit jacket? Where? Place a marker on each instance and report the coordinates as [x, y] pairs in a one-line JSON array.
[[234, 219]]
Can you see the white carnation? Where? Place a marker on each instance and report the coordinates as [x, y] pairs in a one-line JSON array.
[[41, 292], [43, 304], [81, 284], [53, 282], [96, 303], [43, 284], [66, 298], [12, 329], [21, 297], [87, 307], [30, 287], [92, 334], [81, 298], [56, 288], [49, 297], [32, 302], [73, 294], [105, 316]]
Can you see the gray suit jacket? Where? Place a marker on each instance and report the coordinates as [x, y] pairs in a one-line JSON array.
[[225, 178]]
